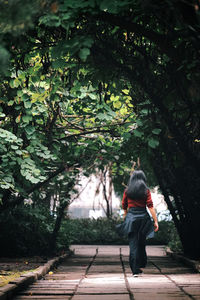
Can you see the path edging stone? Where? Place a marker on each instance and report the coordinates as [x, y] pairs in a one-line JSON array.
[[7, 291], [195, 265]]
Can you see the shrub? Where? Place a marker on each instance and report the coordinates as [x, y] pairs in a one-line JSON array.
[[25, 231], [102, 231], [163, 235], [175, 242], [91, 231]]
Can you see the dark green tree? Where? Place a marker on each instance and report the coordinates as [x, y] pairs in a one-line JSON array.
[[86, 76]]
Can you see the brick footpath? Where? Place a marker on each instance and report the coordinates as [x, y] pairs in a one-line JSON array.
[[102, 273]]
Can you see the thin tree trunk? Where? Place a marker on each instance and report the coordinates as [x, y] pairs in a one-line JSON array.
[[103, 180], [58, 222]]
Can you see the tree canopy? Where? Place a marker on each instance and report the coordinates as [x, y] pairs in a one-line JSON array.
[[86, 83]]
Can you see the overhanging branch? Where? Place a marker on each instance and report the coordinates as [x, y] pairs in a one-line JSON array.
[[96, 130], [164, 42], [19, 199]]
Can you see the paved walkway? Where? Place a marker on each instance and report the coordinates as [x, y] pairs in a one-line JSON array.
[[102, 273]]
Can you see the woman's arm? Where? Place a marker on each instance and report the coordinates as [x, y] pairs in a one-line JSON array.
[[152, 210], [124, 204], [153, 213]]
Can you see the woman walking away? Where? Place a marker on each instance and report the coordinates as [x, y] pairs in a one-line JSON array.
[[137, 225]]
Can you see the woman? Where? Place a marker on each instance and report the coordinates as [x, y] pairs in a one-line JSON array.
[[137, 224]]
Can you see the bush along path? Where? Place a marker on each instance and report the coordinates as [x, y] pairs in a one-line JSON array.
[[102, 273]]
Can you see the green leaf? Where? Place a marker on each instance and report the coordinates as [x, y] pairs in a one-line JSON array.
[[17, 107], [87, 41], [27, 119], [3, 133], [27, 104], [144, 111], [117, 104], [126, 135], [5, 186], [83, 53], [153, 143], [19, 152], [34, 180], [103, 116], [14, 147], [12, 84], [50, 20], [156, 130], [139, 122], [29, 129], [125, 91], [92, 96], [59, 63], [25, 97], [10, 103], [16, 82], [138, 133]]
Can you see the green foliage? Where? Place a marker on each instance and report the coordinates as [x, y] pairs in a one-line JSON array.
[[87, 83], [163, 235], [20, 160], [15, 19], [102, 231], [175, 242], [28, 231], [64, 238], [167, 235], [25, 231], [4, 58], [91, 231]]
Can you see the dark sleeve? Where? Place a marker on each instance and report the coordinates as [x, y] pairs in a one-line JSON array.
[[149, 202], [124, 201]]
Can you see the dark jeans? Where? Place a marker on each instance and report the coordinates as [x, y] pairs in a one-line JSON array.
[[137, 256]]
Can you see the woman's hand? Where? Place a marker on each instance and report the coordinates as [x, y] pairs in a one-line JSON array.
[[125, 213], [153, 213], [156, 227]]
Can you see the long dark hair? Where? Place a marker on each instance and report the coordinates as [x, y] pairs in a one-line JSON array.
[[137, 188]]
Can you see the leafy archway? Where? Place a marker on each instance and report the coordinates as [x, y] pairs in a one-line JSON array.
[[86, 83]]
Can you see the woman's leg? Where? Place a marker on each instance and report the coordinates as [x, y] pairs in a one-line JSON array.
[[134, 255], [142, 255]]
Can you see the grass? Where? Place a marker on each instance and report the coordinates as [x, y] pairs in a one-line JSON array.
[[12, 268], [7, 276]]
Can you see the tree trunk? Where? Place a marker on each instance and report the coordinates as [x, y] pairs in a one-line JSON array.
[[186, 213], [58, 222]]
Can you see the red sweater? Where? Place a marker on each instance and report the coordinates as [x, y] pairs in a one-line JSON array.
[[127, 202]]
